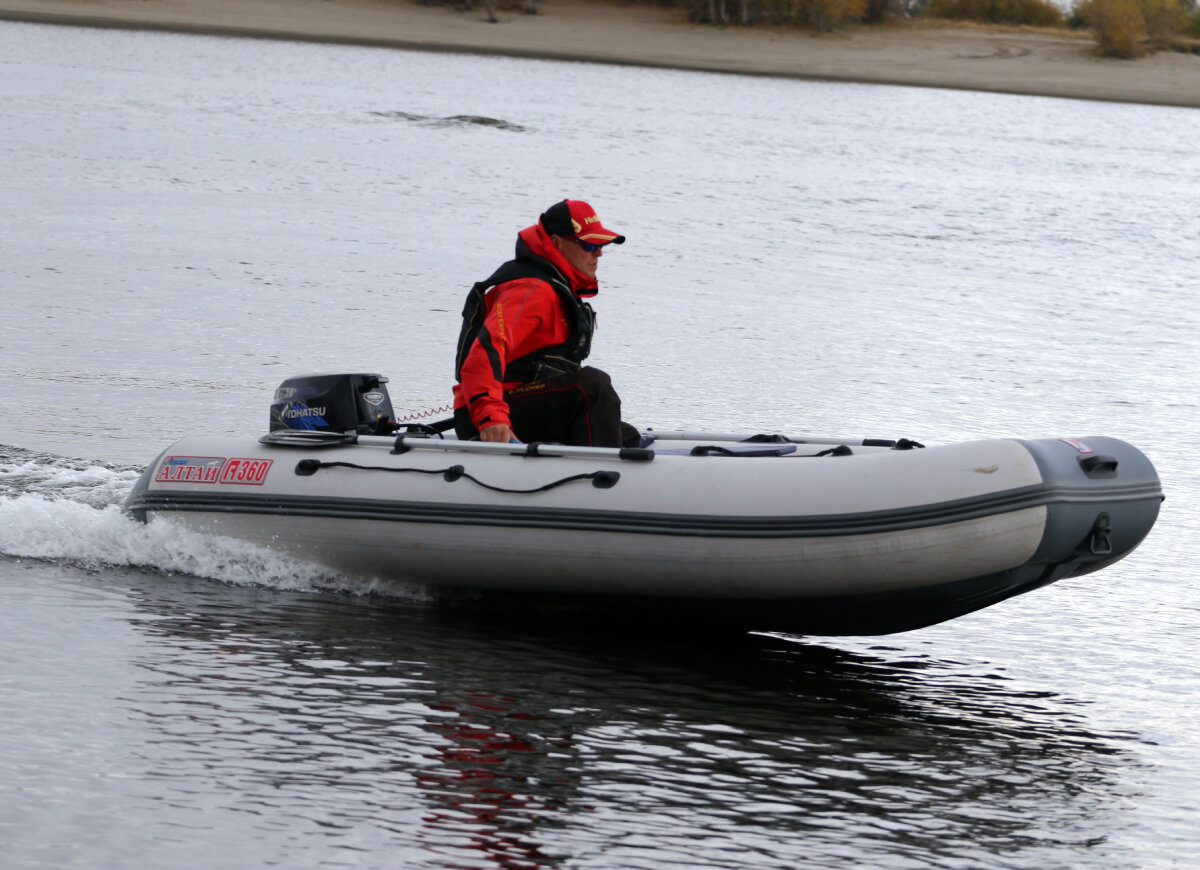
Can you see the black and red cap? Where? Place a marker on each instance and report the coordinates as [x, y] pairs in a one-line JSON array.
[[576, 219]]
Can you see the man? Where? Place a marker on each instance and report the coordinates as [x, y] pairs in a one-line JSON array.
[[526, 330]]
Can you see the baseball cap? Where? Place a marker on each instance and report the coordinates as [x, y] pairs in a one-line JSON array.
[[576, 219]]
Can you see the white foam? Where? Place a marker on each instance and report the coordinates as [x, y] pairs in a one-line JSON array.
[[66, 510], [38, 527], [92, 483]]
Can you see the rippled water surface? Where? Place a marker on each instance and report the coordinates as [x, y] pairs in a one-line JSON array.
[[186, 221]]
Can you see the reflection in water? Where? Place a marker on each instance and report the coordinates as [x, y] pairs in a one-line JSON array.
[[481, 743], [502, 775]]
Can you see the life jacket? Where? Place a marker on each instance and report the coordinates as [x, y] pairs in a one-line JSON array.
[[556, 359]]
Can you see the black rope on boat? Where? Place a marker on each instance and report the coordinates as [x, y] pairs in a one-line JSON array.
[[840, 450], [599, 479], [718, 450], [763, 438]]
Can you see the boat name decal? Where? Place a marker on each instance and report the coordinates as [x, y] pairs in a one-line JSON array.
[[213, 469], [1078, 445], [190, 469]]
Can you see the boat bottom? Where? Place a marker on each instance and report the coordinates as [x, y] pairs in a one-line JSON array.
[[877, 613]]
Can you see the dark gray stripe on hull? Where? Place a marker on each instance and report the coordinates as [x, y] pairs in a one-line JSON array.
[[632, 522]]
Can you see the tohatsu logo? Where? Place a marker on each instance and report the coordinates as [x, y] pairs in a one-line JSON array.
[[303, 413]]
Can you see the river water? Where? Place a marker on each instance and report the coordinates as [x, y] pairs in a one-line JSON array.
[[185, 221]]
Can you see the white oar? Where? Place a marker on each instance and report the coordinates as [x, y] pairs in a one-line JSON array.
[[404, 443]]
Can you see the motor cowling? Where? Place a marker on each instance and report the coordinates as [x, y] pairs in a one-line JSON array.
[[347, 403]]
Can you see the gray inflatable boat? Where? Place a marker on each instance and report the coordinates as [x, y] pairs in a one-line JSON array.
[[763, 532]]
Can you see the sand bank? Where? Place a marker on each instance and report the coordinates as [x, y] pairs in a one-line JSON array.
[[961, 58]]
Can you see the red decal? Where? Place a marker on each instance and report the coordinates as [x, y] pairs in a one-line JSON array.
[[1078, 445], [190, 469], [248, 472]]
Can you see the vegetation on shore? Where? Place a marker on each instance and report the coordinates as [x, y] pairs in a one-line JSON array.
[[1121, 28]]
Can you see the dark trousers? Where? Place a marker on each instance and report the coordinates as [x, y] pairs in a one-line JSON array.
[[581, 408]]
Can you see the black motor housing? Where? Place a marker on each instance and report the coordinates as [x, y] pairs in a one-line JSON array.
[[354, 403]]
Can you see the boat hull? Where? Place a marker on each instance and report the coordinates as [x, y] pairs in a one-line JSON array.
[[871, 541]]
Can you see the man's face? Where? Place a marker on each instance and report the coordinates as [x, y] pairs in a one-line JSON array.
[[582, 260]]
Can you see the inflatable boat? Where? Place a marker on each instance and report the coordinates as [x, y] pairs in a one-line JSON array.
[[763, 531]]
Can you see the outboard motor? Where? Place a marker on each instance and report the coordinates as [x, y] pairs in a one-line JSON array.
[[333, 403]]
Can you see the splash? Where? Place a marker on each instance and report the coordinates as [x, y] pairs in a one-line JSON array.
[[69, 510]]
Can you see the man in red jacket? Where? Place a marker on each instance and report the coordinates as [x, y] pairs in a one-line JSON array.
[[526, 330]]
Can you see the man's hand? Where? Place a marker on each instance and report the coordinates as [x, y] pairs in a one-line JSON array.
[[501, 432]]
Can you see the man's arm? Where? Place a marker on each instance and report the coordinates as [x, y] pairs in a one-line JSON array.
[[521, 320]]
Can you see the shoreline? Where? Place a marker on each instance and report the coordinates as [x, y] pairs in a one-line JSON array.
[[959, 58]]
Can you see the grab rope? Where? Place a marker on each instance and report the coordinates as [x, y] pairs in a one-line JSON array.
[[840, 450], [899, 444], [599, 479], [718, 450]]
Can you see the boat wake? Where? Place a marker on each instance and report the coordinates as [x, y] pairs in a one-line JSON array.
[[68, 510]]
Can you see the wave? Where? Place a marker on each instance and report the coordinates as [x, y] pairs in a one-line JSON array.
[[68, 510]]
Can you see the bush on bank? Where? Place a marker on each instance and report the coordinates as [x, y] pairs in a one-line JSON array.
[[1122, 28], [1130, 28]]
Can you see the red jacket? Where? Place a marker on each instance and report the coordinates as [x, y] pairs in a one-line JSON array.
[[523, 316]]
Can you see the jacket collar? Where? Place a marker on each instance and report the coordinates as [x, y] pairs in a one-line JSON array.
[[534, 243]]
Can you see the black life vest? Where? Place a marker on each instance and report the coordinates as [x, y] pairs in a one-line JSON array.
[[556, 359]]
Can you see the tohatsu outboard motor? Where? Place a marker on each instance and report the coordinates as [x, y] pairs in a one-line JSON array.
[[333, 403]]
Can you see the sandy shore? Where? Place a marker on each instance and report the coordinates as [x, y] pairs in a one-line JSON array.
[[959, 58]]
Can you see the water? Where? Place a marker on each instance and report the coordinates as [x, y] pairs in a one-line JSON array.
[[186, 221]]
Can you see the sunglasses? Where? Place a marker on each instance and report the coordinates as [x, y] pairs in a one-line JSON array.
[[587, 246]]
